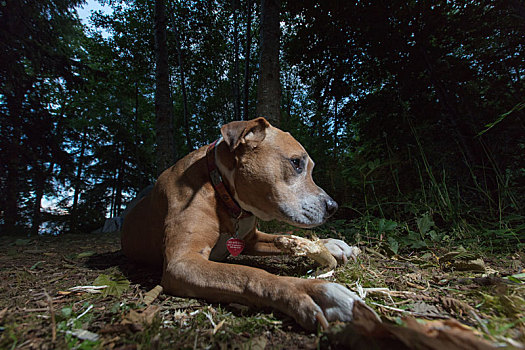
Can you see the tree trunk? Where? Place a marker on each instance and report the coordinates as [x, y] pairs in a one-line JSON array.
[[182, 75], [136, 119], [186, 117], [118, 194], [269, 86], [77, 183], [14, 104], [118, 186], [166, 153], [336, 124], [37, 215], [235, 80], [41, 176], [247, 53], [11, 184]]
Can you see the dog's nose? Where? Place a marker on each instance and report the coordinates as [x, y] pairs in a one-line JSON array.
[[331, 206]]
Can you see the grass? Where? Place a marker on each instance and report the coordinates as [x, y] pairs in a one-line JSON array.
[[410, 281]]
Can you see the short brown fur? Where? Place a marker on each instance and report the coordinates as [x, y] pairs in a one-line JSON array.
[[177, 225]]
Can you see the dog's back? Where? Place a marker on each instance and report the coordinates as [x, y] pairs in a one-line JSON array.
[[143, 228]]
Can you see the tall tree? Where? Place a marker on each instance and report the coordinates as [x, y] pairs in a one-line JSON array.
[[182, 76], [166, 152], [37, 40], [247, 52], [269, 85], [235, 80], [390, 78]]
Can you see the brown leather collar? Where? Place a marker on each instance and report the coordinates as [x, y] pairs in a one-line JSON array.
[[216, 179]]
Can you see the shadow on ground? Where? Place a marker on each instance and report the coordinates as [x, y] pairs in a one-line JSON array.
[[145, 276]]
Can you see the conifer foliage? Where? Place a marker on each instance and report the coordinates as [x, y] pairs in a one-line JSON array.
[[407, 107]]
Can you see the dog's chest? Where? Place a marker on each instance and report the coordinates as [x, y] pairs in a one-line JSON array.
[[219, 251]]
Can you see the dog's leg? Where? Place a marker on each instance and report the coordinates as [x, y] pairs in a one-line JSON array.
[[309, 302], [260, 243]]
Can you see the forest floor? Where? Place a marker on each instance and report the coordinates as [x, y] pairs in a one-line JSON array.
[[39, 308]]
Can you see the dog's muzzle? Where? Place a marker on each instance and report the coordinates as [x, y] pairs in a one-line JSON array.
[[331, 207]]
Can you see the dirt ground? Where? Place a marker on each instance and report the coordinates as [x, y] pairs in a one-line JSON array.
[[40, 310]]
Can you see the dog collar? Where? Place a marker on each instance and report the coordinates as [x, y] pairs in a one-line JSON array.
[[218, 184]]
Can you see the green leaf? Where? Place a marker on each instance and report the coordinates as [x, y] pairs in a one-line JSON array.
[[394, 245], [85, 254], [520, 276], [434, 235], [66, 311], [413, 236], [21, 242], [37, 264], [516, 278], [116, 285], [384, 225], [390, 225], [418, 244], [489, 126], [425, 223]]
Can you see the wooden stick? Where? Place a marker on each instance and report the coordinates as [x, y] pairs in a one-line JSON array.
[[53, 321]]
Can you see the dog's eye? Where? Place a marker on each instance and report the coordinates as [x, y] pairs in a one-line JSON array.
[[297, 164]]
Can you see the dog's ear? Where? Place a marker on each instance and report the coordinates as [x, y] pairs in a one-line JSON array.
[[249, 132]]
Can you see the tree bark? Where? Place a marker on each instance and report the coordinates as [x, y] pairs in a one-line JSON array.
[[336, 124], [11, 214], [235, 80], [269, 86], [182, 75], [77, 183], [37, 215], [166, 153], [247, 53], [40, 178], [118, 186]]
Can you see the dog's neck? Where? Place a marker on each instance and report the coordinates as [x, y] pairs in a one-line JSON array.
[[225, 161], [222, 178]]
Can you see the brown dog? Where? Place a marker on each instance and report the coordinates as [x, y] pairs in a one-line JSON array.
[[185, 223]]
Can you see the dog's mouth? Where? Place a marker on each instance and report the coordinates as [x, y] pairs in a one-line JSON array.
[[307, 217]]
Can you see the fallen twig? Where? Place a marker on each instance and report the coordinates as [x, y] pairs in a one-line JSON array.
[[480, 322], [53, 321], [88, 289], [419, 314]]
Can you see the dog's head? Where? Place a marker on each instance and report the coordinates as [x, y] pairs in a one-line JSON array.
[[271, 175]]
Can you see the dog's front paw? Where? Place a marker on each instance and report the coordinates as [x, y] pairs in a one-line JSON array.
[[333, 302], [340, 250]]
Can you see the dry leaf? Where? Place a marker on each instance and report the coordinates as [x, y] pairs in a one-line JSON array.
[[218, 326], [84, 334], [424, 309], [115, 328], [3, 312], [150, 296], [432, 335], [455, 304], [469, 265], [145, 317]]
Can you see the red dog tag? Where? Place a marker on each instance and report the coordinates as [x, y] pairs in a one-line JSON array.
[[235, 246]]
